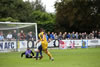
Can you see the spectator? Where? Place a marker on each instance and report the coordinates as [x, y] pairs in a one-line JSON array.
[[1, 36], [99, 35], [52, 36], [64, 35], [80, 36], [95, 34], [30, 36], [14, 34], [60, 36], [91, 36], [83, 36], [76, 35], [73, 35], [68, 35], [22, 35], [48, 35], [9, 36], [18, 36], [56, 36]]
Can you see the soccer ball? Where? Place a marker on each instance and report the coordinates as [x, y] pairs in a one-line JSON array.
[[36, 50]]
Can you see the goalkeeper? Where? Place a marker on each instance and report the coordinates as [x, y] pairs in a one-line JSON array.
[[28, 53]]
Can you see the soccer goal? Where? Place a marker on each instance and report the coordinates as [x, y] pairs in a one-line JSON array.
[[17, 35]]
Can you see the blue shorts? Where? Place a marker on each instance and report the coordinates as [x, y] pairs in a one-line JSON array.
[[40, 48]]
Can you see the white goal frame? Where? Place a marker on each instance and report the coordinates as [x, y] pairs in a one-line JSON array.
[[17, 23]]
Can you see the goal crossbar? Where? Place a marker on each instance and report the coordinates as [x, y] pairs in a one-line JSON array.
[[18, 23]]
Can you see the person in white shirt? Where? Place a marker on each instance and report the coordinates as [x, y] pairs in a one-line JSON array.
[[9, 36]]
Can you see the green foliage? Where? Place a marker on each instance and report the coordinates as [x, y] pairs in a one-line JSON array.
[[39, 6], [47, 26], [44, 20], [77, 15], [18, 10], [8, 19], [41, 17]]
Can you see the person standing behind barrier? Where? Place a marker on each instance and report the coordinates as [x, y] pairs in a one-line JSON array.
[[80, 36], [56, 38], [60, 36], [52, 36], [99, 35], [90, 36], [1, 36], [73, 35], [30, 38], [22, 35], [96, 34], [68, 36], [76, 35], [14, 34], [48, 34], [9, 36], [85, 35], [64, 35]]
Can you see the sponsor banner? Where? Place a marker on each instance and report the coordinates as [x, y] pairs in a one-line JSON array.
[[78, 42], [51, 43], [7, 45], [55, 43], [30, 44], [23, 44], [72, 44], [84, 44], [99, 42], [93, 42], [62, 44]]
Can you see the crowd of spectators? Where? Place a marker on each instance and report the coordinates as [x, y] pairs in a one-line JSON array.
[[54, 36], [73, 35], [14, 36]]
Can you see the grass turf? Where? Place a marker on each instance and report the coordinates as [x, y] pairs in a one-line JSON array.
[[89, 57]]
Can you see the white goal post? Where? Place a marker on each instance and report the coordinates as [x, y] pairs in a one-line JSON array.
[[18, 23], [9, 27]]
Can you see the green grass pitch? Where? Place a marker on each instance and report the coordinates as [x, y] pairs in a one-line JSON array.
[[89, 57]]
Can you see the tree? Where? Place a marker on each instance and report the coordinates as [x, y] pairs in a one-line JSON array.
[[16, 9], [44, 20], [39, 6], [77, 15], [25, 11]]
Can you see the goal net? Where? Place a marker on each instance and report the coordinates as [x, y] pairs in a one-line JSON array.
[[16, 35]]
